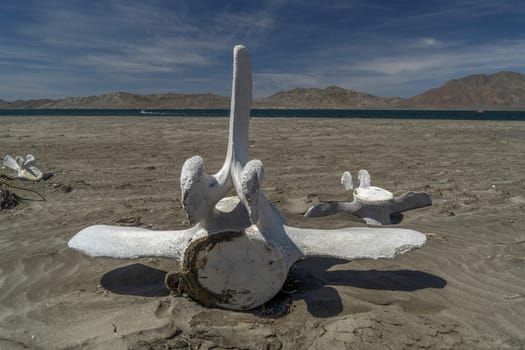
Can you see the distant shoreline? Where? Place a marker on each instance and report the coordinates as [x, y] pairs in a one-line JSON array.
[[278, 108], [378, 113]]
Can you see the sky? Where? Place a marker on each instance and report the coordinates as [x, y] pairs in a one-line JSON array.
[[393, 48]]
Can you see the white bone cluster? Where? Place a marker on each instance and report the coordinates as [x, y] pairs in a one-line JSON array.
[[374, 204]]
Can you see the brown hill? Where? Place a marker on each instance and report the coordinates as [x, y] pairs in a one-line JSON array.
[[503, 90], [331, 97], [128, 100], [38, 103]]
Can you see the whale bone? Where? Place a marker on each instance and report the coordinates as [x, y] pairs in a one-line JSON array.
[[25, 167], [374, 204], [240, 249]]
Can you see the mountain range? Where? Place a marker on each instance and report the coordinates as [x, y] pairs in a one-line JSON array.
[[502, 90]]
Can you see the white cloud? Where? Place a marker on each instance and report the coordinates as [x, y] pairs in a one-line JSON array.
[[391, 66], [476, 57], [247, 23], [428, 42], [118, 64]]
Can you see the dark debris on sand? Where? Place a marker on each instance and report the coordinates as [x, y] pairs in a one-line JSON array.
[[8, 200], [281, 304]]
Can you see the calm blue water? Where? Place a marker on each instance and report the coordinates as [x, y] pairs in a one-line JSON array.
[[277, 113]]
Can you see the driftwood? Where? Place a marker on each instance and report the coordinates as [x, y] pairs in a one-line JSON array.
[[240, 249]]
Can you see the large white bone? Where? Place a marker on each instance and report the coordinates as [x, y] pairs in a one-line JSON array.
[[345, 243], [239, 252], [200, 191], [25, 168], [374, 204]]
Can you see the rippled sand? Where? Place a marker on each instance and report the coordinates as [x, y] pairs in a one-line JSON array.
[[464, 289]]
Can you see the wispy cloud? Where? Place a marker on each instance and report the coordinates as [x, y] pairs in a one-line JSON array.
[[428, 42], [475, 57]]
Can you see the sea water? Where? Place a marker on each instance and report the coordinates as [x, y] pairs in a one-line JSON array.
[[279, 113]]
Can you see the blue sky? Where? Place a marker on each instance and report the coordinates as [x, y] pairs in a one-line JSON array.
[[388, 48]]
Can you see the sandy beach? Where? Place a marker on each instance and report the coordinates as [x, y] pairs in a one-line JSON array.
[[465, 289]]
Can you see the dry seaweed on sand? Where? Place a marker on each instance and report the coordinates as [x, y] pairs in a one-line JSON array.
[[8, 200], [6, 194]]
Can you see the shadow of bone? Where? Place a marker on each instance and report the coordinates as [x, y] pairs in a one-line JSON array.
[[393, 280], [315, 283], [136, 279], [312, 276]]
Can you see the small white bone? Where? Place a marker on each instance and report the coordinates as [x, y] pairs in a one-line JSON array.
[[368, 194], [25, 168], [346, 181], [364, 178], [11, 163]]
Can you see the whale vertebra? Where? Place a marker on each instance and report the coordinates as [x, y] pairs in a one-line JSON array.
[[240, 250]]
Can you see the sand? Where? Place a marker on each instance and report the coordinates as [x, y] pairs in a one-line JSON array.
[[464, 289]]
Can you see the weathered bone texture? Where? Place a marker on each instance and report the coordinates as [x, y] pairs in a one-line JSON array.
[[25, 168], [238, 253], [374, 204]]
